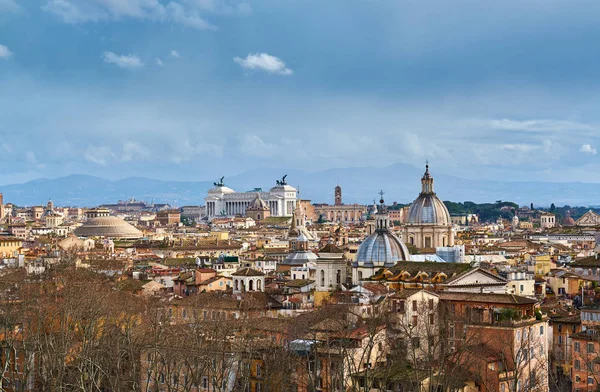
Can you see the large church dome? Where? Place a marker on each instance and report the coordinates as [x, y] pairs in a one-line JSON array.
[[427, 207], [382, 248]]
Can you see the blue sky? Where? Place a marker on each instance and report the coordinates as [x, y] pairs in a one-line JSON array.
[[193, 89]]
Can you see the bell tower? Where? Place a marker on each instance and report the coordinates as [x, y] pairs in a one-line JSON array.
[[338, 195]]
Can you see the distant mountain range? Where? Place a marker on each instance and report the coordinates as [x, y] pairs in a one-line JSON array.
[[400, 182]]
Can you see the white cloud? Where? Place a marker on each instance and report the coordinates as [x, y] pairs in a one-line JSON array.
[[519, 147], [84, 11], [539, 125], [5, 52], [588, 149], [187, 17], [158, 61], [8, 6], [122, 61], [264, 62], [175, 54], [73, 13]]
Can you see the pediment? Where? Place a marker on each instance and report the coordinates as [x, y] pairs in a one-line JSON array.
[[589, 218], [477, 277]]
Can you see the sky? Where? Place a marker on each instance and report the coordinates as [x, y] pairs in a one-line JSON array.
[[196, 89]]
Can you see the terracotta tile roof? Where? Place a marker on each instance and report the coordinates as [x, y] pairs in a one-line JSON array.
[[330, 248], [487, 298], [376, 288], [586, 262], [299, 283], [247, 272]]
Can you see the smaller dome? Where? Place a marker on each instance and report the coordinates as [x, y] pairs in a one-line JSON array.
[[300, 257], [258, 204], [568, 220], [381, 249]]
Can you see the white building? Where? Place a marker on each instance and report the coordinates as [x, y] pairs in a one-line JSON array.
[[248, 280], [547, 221], [331, 271], [224, 201], [521, 283]]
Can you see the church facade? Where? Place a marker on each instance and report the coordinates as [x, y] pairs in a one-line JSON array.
[[590, 218], [223, 201]]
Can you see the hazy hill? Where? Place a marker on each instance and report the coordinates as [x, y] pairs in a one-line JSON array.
[[400, 182]]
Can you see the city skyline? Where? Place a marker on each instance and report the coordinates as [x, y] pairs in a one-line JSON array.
[[186, 89]]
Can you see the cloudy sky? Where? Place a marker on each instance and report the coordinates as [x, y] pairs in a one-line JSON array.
[[194, 89]]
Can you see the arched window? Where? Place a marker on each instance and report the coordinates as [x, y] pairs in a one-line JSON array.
[[258, 216], [360, 275], [250, 285], [258, 284], [322, 278], [338, 277], [237, 285]]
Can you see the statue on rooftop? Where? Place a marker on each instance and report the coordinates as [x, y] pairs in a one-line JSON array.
[[282, 181], [220, 182]]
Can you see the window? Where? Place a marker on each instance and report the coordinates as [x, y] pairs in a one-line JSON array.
[[416, 342], [431, 319], [400, 306], [258, 387], [577, 364], [577, 347], [518, 336], [541, 329], [415, 321], [257, 370], [414, 307], [590, 347], [322, 278], [590, 380], [175, 379], [204, 382], [338, 277], [431, 304]]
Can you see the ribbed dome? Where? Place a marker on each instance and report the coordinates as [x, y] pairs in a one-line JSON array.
[[381, 249], [299, 257], [568, 220], [107, 226], [427, 207], [257, 204]]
